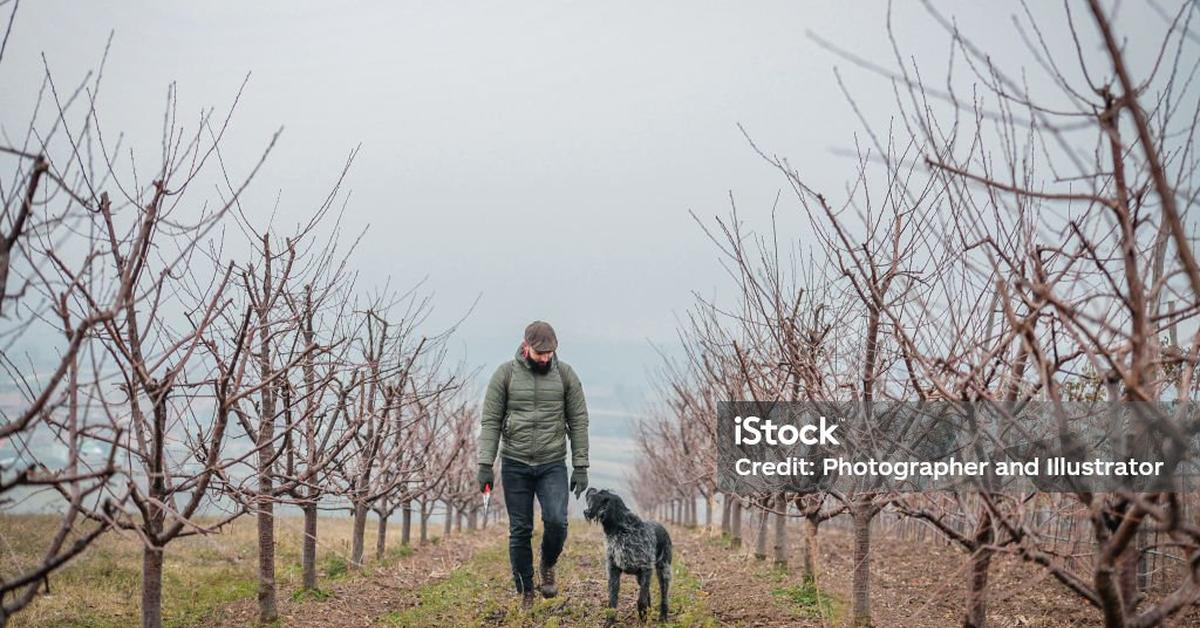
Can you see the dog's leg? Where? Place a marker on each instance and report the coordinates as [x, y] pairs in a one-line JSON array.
[[614, 584], [664, 564], [664, 585], [643, 604]]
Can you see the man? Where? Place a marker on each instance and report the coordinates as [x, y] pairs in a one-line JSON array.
[[534, 404]]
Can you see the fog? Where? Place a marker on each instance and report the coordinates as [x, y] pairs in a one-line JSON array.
[[534, 161]]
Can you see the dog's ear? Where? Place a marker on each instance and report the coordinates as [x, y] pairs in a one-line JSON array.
[[589, 492]]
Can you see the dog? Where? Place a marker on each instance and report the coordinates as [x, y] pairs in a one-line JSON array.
[[631, 546]]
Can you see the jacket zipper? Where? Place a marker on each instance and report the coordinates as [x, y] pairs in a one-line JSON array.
[[534, 454]]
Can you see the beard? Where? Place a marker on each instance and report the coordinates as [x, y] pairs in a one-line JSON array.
[[541, 368]]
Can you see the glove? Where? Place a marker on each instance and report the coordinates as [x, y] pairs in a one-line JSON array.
[[579, 481], [485, 477]]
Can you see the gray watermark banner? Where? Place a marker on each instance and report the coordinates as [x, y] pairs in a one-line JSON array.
[[908, 446]]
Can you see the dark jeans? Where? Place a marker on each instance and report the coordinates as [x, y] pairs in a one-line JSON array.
[[521, 483]]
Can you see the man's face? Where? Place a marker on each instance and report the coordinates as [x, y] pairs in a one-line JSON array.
[[540, 358], [539, 362]]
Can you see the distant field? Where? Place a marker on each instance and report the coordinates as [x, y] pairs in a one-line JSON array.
[[103, 586]]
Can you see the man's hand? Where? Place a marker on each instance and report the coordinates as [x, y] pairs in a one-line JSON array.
[[486, 478], [579, 481]]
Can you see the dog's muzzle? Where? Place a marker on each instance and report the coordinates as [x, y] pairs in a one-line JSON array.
[[591, 513]]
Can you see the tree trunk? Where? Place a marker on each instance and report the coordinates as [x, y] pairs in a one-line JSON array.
[[426, 510], [725, 512], [360, 529], [152, 564], [735, 522], [861, 589], [781, 540], [449, 521], [811, 556], [152, 555], [267, 611], [381, 536], [760, 541], [708, 511], [473, 519], [1143, 570], [406, 522], [308, 557], [458, 519], [1127, 574], [981, 560]]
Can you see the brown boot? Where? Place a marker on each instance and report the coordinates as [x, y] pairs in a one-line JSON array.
[[527, 600], [549, 586]]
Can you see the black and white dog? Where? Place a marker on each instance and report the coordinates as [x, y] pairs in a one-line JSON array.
[[631, 546]]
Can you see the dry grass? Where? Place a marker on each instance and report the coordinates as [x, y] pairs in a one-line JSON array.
[[480, 592], [103, 586]]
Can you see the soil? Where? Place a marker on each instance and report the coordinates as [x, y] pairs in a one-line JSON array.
[[465, 581], [360, 600]]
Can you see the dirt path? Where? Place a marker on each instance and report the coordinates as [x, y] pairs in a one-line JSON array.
[[465, 581], [741, 591], [480, 592], [361, 600]]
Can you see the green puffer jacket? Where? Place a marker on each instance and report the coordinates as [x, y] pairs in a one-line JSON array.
[[535, 414]]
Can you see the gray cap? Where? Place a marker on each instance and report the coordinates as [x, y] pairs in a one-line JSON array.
[[539, 335]]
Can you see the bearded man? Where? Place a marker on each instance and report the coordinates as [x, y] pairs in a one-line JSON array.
[[533, 406]]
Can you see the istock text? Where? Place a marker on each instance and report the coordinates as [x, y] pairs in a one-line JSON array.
[[752, 430]]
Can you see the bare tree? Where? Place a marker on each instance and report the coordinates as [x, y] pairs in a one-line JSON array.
[[1073, 240], [400, 368], [428, 421], [54, 294], [179, 383], [286, 279]]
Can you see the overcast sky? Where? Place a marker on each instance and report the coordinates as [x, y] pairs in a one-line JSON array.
[[541, 156]]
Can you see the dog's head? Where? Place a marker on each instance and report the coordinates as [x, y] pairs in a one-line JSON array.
[[604, 506]]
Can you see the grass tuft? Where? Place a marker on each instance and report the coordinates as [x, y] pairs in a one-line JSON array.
[[807, 599], [313, 595], [397, 553], [336, 567]]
